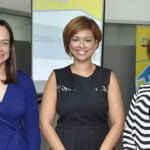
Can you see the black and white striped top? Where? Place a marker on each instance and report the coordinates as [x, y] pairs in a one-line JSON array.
[[136, 135]]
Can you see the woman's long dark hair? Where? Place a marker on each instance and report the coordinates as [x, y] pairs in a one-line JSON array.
[[11, 69]]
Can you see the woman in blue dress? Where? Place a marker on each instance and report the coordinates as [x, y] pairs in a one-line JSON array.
[[84, 95], [19, 128]]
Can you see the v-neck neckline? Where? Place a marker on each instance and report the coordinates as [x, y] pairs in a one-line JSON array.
[[4, 96]]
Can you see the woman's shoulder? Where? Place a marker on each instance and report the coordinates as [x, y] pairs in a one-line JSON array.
[[144, 88], [24, 79], [22, 75], [103, 68], [106, 72], [146, 85], [61, 69]]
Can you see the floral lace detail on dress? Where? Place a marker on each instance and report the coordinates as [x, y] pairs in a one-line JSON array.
[[61, 88], [102, 89]]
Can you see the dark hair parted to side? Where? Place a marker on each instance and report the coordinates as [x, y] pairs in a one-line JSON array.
[[78, 24], [148, 48], [11, 68]]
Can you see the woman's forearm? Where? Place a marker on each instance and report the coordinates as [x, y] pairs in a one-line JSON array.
[[52, 138], [112, 137]]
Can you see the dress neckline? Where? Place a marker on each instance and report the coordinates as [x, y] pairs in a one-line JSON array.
[[85, 77], [3, 98]]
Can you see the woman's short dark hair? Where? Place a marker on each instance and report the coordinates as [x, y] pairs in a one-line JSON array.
[[77, 24], [11, 61]]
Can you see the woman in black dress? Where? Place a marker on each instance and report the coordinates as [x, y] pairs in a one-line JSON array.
[[84, 95]]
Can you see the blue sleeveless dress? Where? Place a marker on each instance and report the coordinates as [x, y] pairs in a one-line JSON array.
[[82, 106]]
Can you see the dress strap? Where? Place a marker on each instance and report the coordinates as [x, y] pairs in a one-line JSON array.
[[107, 74]]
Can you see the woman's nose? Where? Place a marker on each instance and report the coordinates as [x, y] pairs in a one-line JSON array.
[[81, 44]]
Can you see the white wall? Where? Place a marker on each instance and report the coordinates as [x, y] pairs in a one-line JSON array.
[[21, 26], [18, 6], [120, 34], [128, 11], [117, 11]]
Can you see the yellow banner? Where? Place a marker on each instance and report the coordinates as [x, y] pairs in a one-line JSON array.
[[92, 7], [142, 59]]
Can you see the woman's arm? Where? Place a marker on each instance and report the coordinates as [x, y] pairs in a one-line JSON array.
[[31, 118], [128, 140], [48, 113], [116, 114]]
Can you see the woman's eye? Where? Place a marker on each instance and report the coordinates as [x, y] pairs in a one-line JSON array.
[[74, 40], [88, 40], [5, 43]]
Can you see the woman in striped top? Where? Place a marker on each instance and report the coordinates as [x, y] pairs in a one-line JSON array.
[[136, 135]]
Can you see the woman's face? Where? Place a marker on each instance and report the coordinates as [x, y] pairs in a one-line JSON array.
[[4, 45], [82, 45]]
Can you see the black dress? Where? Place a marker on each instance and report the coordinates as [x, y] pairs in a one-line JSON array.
[[82, 106]]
